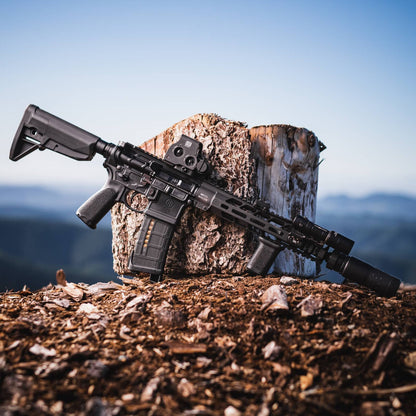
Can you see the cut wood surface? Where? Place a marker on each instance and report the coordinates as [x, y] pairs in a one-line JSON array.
[[277, 162]]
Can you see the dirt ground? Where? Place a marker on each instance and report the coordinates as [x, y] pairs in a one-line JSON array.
[[211, 345]]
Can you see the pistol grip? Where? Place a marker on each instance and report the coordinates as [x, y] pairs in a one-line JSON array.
[[95, 208], [155, 235]]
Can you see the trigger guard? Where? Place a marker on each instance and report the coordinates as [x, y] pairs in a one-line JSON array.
[[128, 204]]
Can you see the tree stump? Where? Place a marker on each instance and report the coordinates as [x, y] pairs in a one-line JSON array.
[[287, 177], [279, 163]]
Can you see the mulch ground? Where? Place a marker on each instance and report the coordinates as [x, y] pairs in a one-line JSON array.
[[212, 345]]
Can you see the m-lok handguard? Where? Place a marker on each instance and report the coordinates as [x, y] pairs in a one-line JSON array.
[[179, 180]]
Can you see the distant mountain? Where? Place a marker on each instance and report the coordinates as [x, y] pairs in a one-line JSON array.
[[40, 233], [383, 227], [40, 197], [44, 203], [380, 205], [31, 250], [53, 203]]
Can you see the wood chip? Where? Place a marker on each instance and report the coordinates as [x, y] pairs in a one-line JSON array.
[[271, 350], [410, 360], [310, 306], [150, 389], [306, 381], [139, 300], [100, 288], [74, 291], [63, 303], [60, 277], [186, 388], [87, 308], [184, 348], [94, 366]]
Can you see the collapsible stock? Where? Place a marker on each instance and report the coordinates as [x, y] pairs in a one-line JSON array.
[[41, 130]]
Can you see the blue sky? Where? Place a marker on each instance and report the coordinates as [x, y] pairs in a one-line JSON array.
[[126, 70]]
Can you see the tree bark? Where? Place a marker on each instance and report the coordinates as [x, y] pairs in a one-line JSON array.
[[279, 163], [287, 177], [202, 243]]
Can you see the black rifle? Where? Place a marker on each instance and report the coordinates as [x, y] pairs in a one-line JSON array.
[[180, 180]]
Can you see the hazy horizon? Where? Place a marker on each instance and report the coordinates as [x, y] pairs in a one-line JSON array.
[[89, 189]]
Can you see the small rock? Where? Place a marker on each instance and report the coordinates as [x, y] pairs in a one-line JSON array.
[[124, 333], [311, 305], [57, 407], [170, 317], [232, 411], [94, 316], [52, 306], [3, 365], [40, 350], [97, 407], [204, 314], [288, 281], [87, 308], [396, 403], [186, 388], [96, 368], [13, 345], [40, 408], [51, 369], [274, 298], [271, 351], [203, 362], [198, 410]]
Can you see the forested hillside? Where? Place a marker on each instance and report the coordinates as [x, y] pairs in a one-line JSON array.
[[43, 234], [31, 250], [382, 226]]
